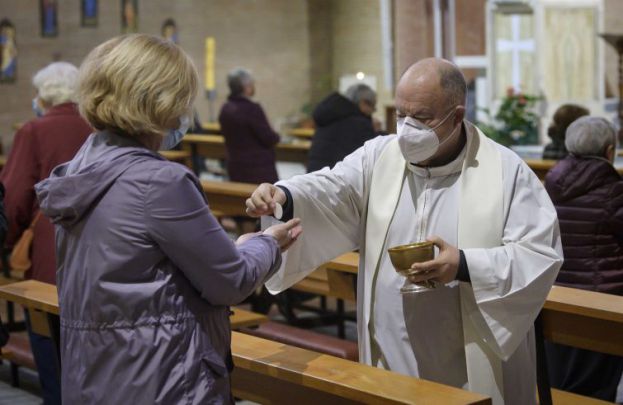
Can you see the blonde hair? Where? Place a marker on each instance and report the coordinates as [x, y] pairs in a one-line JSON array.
[[56, 83], [137, 85]]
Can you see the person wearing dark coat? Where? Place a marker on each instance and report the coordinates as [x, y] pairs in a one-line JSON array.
[[249, 138], [343, 124], [563, 117], [588, 194], [41, 144]]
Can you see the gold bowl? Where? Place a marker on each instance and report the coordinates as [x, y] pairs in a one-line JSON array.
[[402, 257]]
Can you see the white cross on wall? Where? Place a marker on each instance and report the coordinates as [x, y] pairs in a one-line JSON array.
[[515, 45]]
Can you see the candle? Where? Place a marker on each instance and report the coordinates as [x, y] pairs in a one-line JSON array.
[[209, 64]]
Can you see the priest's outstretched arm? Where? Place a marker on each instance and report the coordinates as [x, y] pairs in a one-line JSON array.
[[330, 204]]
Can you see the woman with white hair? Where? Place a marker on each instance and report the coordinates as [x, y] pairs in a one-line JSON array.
[[53, 137], [588, 194]]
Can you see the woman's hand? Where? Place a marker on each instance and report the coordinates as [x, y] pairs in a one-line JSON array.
[[285, 234]]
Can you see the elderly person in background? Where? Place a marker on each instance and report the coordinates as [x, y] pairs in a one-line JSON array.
[[563, 117], [588, 194], [249, 139], [52, 138], [145, 272], [343, 124]]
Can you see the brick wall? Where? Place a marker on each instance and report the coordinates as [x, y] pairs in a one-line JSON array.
[[270, 37]]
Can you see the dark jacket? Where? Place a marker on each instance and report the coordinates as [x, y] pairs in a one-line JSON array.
[[145, 278], [38, 147], [588, 195], [341, 128], [250, 141]]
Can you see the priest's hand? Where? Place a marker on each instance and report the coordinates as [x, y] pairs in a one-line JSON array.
[[263, 199], [285, 234], [442, 269]]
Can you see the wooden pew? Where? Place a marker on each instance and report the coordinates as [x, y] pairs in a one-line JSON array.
[[271, 372], [227, 198], [213, 146], [541, 167], [305, 133], [40, 297], [578, 318]]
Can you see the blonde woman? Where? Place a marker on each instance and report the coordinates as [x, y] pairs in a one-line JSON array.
[[145, 272]]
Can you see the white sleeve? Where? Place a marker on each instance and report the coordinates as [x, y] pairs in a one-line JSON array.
[[511, 282], [330, 204]]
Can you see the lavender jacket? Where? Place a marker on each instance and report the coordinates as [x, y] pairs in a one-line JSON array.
[[145, 277]]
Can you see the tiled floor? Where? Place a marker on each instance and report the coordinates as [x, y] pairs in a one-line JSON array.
[[29, 392]]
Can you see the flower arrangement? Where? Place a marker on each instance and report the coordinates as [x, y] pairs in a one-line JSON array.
[[515, 122]]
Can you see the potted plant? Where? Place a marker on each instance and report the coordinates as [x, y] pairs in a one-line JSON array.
[[515, 122]]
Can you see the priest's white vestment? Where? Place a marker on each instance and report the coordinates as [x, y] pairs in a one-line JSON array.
[[488, 203]]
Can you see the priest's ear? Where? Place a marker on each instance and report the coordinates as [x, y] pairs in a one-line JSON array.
[[459, 114]]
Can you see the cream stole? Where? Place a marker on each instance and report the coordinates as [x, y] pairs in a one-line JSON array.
[[480, 225]]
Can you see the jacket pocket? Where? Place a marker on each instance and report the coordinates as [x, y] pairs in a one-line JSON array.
[[214, 364]]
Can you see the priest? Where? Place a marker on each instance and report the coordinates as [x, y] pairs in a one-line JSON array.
[[440, 179]]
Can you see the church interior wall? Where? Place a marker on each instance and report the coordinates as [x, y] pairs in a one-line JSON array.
[[278, 55]]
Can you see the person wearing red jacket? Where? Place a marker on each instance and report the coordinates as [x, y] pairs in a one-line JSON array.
[[41, 144]]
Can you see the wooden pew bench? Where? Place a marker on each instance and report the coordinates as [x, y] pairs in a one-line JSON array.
[[271, 372], [227, 198], [540, 167], [213, 147], [573, 317]]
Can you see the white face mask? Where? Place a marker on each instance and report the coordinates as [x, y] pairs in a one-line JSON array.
[[419, 142], [174, 136]]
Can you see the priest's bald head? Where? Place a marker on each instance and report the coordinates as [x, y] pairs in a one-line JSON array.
[[432, 92]]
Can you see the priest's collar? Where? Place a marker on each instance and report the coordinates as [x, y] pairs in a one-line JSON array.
[[452, 167]]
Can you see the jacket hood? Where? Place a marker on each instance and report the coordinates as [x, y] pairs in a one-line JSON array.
[[74, 187], [334, 108], [575, 176]]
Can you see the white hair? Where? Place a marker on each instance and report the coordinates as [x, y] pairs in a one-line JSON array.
[[56, 83], [590, 136]]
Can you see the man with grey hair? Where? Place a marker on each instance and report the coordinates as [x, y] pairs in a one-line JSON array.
[[249, 138], [439, 179], [588, 194], [343, 124]]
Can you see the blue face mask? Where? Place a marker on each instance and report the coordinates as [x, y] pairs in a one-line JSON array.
[[174, 136], [36, 108]]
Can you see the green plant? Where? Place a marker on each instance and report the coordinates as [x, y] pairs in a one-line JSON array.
[[515, 122]]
